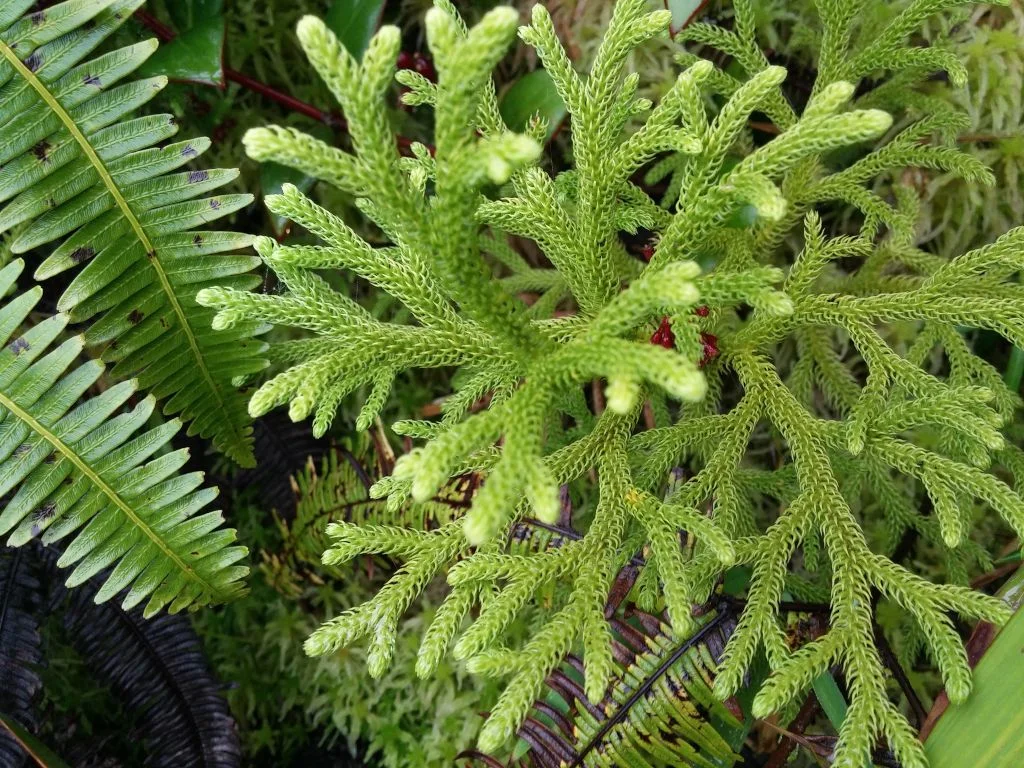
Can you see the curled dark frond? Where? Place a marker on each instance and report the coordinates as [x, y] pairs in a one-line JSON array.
[[282, 449], [20, 654], [156, 667]]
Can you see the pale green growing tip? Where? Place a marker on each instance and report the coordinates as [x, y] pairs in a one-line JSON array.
[[842, 90], [265, 246], [622, 393], [689, 385], [877, 119], [207, 297], [503, 15], [388, 35], [309, 29], [315, 645], [699, 69], [437, 22], [661, 18], [260, 402], [498, 169], [477, 529], [545, 504], [300, 408]]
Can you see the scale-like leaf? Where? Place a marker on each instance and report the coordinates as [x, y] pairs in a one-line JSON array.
[[79, 469], [77, 165]]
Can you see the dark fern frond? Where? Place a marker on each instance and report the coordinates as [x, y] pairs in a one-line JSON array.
[[157, 669], [78, 167], [282, 448], [336, 489], [20, 650]]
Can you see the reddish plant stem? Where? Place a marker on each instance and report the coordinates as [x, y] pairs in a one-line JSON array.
[[157, 27], [804, 718], [889, 660], [335, 121], [166, 34]]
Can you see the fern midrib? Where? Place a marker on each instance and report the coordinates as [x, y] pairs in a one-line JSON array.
[[140, 233], [40, 429]]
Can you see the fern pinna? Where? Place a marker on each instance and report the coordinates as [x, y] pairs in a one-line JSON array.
[[771, 361], [81, 469], [78, 166]]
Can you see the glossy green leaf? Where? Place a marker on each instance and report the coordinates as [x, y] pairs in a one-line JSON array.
[[532, 94], [832, 701], [272, 177], [195, 55], [186, 14], [683, 12], [354, 22]]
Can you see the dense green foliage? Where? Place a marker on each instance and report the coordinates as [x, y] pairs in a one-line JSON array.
[[851, 435], [84, 470]]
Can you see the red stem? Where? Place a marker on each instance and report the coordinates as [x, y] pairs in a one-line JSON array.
[[290, 102], [166, 34]]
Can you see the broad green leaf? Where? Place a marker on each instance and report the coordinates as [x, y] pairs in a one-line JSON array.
[[354, 22], [832, 701], [530, 95], [40, 754], [186, 14], [988, 729], [195, 56]]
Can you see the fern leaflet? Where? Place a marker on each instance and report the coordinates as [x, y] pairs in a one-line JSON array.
[[77, 166], [76, 468]]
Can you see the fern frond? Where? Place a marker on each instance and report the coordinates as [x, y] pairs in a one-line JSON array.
[[659, 710], [336, 487], [79, 168], [20, 649], [81, 470], [157, 669]]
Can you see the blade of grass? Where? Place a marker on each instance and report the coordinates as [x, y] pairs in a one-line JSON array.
[[35, 749], [988, 729], [831, 699], [1014, 369]]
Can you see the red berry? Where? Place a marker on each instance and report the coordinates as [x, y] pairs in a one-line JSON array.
[[647, 252], [405, 60], [710, 344], [664, 336], [422, 65], [702, 311]]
